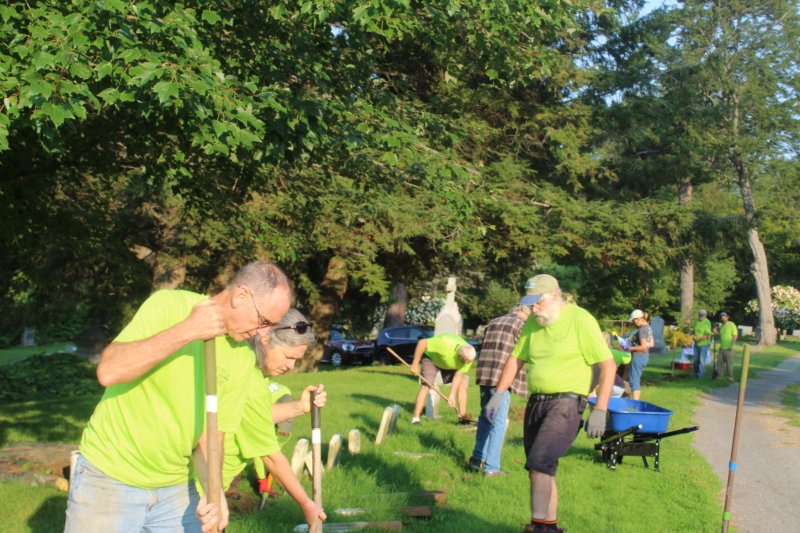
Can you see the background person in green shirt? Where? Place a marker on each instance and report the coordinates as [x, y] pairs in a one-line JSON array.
[[559, 342], [452, 356], [133, 473], [728, 334], [276, 353], [702, 343]]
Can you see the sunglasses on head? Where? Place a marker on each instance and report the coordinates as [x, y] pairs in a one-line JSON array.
[[298, 327]]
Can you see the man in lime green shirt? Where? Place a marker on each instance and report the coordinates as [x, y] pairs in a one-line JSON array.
[[134, 469], [702, 343], [727, 341], [452, 356], [560, 342]]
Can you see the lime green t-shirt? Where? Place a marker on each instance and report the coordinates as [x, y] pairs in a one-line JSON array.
[[621, 357], [256, 435], [142, 433], [443, 351], [560, 355], [727, 332], [701, 329]]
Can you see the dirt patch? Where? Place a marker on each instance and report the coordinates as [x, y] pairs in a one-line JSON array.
[[35, 463]]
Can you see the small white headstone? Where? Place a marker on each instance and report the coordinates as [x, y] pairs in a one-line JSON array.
[[395, 416], [354, 441], [29, 337], [432, 403]]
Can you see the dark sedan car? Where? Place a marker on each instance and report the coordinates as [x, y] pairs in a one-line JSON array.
[[402, 339], [343, 348]]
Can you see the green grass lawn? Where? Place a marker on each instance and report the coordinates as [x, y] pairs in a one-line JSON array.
[[9, 355], [684, 496]]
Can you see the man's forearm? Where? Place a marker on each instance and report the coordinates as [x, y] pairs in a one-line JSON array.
[[286, 411], [606, 383], [510, 371], [279, 466], [122, 362], [418, 351]]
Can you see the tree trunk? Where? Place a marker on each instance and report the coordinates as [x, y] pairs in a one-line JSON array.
[[396, 313], [759, 267], [687, 268], [325, 310], [168, 272]]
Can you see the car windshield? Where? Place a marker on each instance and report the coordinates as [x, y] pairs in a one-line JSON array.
[[340, 335]]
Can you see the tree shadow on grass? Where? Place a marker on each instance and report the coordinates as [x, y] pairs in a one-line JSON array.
[[60, 420], [49, 517]]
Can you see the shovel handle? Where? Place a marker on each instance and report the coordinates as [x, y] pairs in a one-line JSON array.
[[316, 454], [425, 381], [212, 443]]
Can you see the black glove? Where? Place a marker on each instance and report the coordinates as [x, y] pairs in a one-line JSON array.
[[492, 406], [596, 423]]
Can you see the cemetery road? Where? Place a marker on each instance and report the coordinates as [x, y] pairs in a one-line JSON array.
[[767, 479]]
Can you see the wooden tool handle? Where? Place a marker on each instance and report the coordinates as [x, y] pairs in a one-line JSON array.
[[425, 381], [316, 453], [212, 443]]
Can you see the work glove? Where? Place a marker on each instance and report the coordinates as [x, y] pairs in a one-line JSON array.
[[493, 406], [596, 423]]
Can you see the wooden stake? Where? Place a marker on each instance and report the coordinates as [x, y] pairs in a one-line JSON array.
[[212, 443], [299, 456], [726, 513], [334, 451], [316, 449], [386, 422]]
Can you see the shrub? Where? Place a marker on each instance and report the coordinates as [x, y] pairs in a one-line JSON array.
[[785, 306], [42, 377]]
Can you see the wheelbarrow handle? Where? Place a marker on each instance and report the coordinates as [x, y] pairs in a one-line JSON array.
[[617, 436]]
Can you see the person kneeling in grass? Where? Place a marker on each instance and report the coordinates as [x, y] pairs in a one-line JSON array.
[[276, 353]]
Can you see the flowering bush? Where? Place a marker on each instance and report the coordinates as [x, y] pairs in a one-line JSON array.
[[785, 306], [421, 311]]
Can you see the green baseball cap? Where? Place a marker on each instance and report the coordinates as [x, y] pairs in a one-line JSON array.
[[536, 287]]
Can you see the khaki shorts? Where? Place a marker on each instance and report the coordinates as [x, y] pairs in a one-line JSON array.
[[429, 371]]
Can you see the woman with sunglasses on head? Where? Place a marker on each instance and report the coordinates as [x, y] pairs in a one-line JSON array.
[[276, 353]]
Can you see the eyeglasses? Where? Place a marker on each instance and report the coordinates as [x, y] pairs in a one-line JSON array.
[[298, 327], [262, 322]]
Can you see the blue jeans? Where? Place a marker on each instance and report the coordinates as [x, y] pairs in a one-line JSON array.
[[490, 437], [98, 503], [638, 362], [702, 355]]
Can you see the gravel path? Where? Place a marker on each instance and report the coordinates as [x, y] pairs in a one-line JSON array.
[[767, 480]]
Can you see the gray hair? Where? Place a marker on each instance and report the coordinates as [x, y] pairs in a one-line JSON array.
[[284, 337], [261, 278], [525, 309], [467, 353]]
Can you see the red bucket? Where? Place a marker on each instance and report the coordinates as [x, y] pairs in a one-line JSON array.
[[681, 365]]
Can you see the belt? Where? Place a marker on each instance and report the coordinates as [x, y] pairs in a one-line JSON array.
[[557, 396]]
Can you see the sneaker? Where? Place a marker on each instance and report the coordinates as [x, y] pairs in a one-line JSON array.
[[474, 464], [495, 474], [464, 420], [530, 528], [415, 420]]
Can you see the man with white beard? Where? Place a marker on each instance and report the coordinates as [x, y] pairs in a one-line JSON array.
[[561, 342]]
